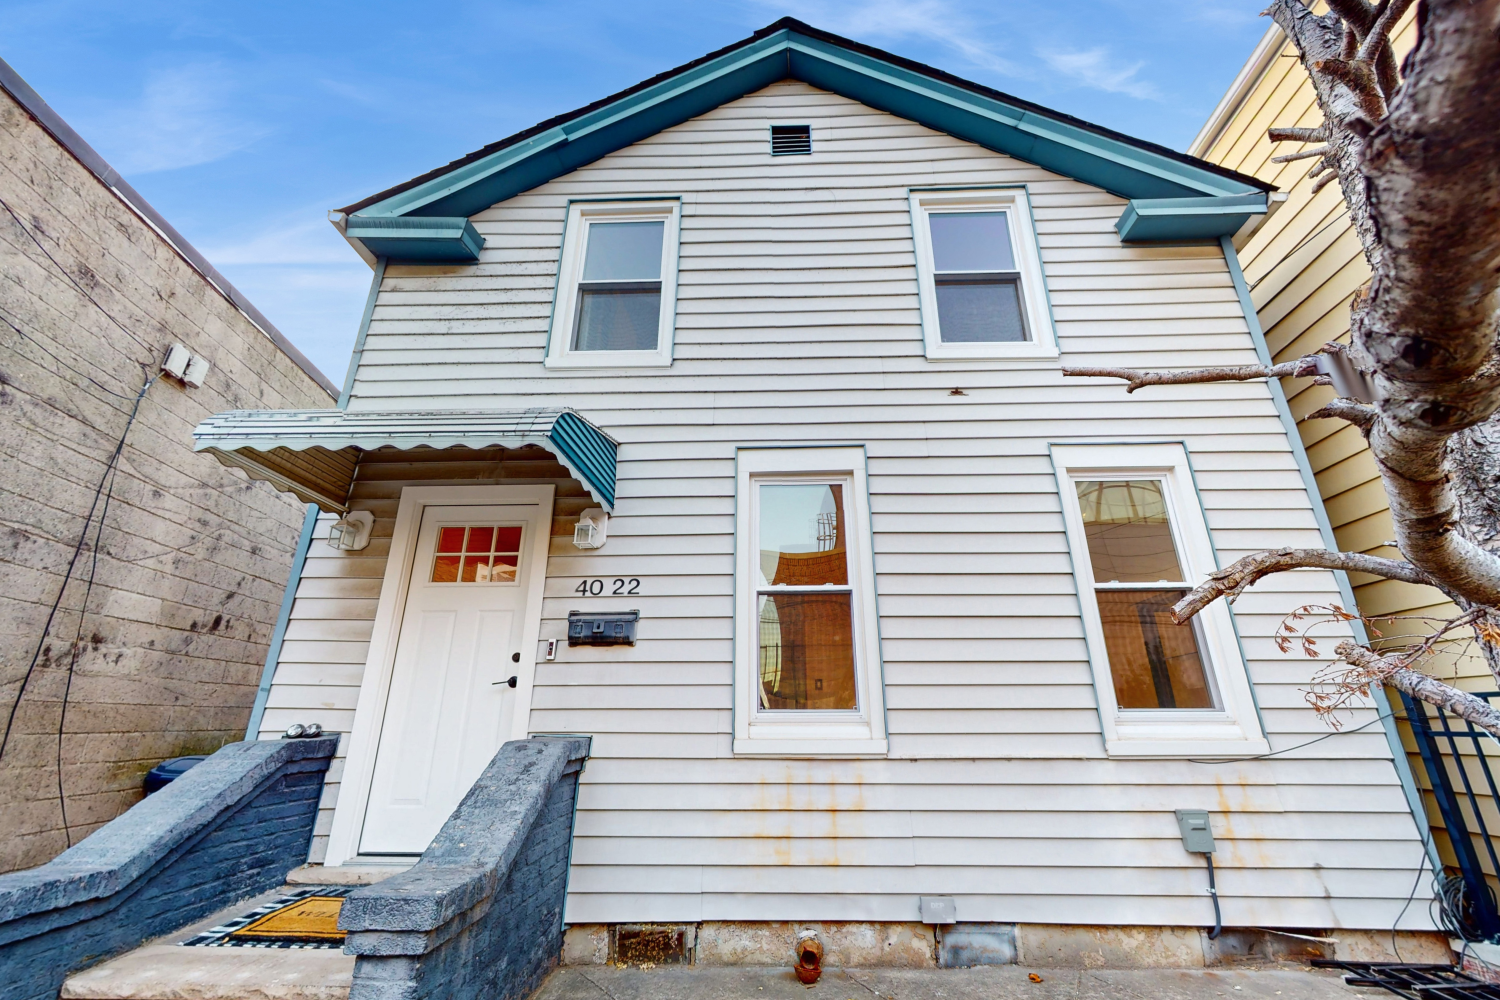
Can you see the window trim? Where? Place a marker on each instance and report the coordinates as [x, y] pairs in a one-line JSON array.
[[560, 352], [1034, 298], [862, 732], [1234, 729]]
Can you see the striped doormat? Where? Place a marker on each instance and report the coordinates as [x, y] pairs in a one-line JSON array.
[[303, 918]]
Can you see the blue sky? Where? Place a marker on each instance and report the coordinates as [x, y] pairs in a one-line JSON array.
[[244, 122]]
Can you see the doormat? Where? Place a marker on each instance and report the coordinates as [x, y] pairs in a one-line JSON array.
[[305, 918]]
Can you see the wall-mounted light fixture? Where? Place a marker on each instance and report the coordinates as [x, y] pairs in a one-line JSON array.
[[351, 532], [592, 528]]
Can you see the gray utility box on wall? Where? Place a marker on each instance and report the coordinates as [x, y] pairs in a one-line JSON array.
[[607, 628], [1197, 835]]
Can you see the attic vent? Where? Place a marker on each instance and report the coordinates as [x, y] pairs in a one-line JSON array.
[[790, 140]]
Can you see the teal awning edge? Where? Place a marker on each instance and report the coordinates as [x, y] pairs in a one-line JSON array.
[[244, 439]]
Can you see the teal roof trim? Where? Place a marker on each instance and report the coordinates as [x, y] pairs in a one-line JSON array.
[[424, 239], [1115, 166], [789, 49], [1152, 220]]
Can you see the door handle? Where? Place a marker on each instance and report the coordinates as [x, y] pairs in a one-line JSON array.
[[508, 683]]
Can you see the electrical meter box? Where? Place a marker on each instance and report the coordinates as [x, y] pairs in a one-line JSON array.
[[1197, 835], [609, 628]]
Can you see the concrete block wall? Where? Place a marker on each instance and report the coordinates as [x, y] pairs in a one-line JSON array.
[[229, 829], [193, 559], [480, 916]]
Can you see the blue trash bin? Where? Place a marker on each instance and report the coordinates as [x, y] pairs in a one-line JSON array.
[[168, 771]]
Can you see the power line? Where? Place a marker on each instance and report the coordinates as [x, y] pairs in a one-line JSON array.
[[65, 272], [41, 642]]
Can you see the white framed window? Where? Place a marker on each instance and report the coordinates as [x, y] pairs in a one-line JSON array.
[[1139, 542], [979, 276], [616, 300], [807, 647]]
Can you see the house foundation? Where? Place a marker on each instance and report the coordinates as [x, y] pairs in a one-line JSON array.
[[920, 946]]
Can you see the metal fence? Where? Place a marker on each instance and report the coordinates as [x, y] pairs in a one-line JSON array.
[[1458, 759]]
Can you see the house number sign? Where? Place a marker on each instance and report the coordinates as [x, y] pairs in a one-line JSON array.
[[619, 586]]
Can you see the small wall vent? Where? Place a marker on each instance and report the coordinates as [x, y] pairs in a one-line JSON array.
[[791, 140]]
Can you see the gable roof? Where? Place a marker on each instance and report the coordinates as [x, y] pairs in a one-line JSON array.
[[1129, 167]]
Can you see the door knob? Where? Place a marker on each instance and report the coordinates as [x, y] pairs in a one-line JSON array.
[[508, 683]]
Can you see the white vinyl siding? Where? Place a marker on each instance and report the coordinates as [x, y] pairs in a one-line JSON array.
[[798, 322]]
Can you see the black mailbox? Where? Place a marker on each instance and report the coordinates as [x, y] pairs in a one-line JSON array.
[[609, 628]]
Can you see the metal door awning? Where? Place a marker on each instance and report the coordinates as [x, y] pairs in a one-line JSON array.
[[313, 453]]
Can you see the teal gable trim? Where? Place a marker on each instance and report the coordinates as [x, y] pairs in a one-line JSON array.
[[1125, 167], [417, 239], [1150, 220], [1325, 529], [283, 618], [364, 330]]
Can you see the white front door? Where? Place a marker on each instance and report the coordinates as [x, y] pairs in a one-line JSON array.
[[450, 705]]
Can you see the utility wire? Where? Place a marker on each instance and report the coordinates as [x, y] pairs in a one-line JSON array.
[[65, 272], [44, 349], [83, 608], [1304, 242], [104, 481], [1299, 746]]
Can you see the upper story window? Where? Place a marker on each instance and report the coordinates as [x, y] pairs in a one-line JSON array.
[[617, 286], [807, 673], [1140, 543], [979, 276]]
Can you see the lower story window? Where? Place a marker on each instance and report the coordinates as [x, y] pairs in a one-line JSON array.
[[1139, 544], [807, 660]]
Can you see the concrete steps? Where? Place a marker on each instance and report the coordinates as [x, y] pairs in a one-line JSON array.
[[165, 970]]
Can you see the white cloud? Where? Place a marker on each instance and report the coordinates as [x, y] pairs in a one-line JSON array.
[[182, 118], [301, 237], [1097, 68], [935, 20]]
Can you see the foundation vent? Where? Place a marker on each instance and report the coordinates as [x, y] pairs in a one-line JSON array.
[[652, 944]]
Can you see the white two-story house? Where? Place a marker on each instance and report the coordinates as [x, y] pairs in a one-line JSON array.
[[768, 349]]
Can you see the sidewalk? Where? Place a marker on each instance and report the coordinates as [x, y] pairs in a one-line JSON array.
[[596, 982]]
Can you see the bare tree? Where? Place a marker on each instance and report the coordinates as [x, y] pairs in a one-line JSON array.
[[1416, 153]]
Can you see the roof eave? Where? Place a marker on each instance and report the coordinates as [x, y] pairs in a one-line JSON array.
[[1124, 166]]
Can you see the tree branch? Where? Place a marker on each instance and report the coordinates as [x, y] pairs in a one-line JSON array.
[[1361, 415], [1360, 80], [1379, 35], [1231, 581], [1319, 134], [1301, 368], [1300, 155], [1422, 687]]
